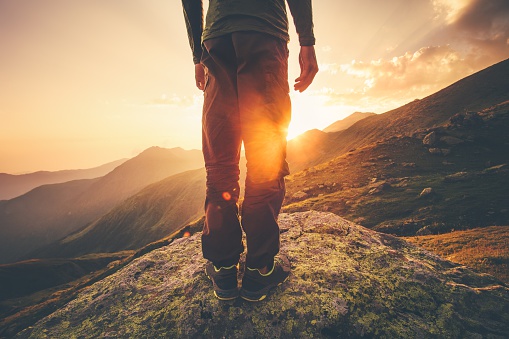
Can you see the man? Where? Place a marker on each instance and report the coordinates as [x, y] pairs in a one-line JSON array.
[[241, 64]]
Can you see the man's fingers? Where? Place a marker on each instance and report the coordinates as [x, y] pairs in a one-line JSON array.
[[308, 68], [200, 84], [199, 76], [305, 79]]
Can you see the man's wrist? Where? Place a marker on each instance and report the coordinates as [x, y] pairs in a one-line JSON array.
[[308, 41]]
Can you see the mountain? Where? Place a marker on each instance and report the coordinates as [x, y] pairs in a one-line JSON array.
[[450, 177], [155, 212], [51, 212], [16, 185], [345, 123], [473, 93], [367, 284], [305, 147]]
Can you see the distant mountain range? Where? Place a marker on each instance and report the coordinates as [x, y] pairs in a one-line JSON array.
[[50, 212], [12, 185], [153, 213]]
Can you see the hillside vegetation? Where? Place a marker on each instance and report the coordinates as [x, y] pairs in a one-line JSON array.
[[484, 249], [401, 186]]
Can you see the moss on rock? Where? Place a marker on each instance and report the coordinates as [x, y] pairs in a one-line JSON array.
[[347, 281]]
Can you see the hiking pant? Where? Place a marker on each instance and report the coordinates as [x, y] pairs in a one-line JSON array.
[[246, 99]]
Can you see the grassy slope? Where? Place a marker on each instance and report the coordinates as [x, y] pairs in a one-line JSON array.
[[485, 249], [154, 212], [379, 185]]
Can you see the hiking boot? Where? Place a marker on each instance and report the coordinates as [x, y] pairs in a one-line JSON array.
[[256, 285], [224, 280]]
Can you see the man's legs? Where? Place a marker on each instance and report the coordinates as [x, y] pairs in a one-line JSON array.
[[222, 235], [264, 108], [246, 98]]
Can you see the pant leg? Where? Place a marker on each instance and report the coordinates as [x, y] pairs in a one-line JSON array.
[[264, 108], [221, 142]]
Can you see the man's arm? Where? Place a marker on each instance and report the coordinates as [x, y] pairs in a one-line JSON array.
[[193, 15], [302, 14]]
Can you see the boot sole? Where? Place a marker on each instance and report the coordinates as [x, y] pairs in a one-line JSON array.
[[223, 295], [254, 297]]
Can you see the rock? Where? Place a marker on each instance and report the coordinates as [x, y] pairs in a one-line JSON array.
[[347, 282], [299, 195], [457, 177], [451, 141], [445, 151], [430, 139], [423, 231], [467, 119], [384, 186], [435, 151], [426, 191], [495, 169], [408, 164]]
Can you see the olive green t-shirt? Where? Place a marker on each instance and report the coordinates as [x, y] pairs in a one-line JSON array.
[[228, 16]]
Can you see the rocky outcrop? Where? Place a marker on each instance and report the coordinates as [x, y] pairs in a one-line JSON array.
[[430, 139], [346, 281]]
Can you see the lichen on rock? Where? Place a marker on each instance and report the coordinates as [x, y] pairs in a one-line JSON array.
[[346, 281]]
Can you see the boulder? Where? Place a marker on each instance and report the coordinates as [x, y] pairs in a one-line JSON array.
[[435, 151], [346, 282], [458, 176], [299, 195], [451, 141], [425, 192], [379, 188], [430, 139]]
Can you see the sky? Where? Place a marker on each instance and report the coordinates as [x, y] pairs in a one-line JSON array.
[[86, 82]]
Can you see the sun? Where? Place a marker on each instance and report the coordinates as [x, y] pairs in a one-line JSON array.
[[311, 111]]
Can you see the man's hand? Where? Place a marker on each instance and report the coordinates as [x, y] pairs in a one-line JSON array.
[[308, 68], [199, 76]]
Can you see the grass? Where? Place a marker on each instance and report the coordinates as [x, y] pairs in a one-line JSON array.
[[484, 249]]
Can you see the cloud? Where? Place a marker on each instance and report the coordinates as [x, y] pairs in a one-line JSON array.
[[479, 23], [172, 100], [477, 35], [483, 18], [410, 75], [449, 9]]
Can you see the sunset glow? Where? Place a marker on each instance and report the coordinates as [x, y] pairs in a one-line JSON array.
[[76, 95]]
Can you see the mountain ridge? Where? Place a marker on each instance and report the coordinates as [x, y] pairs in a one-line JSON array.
[[39, 223], [345, 123], [14, 185], [473, 93], [155, 212]]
